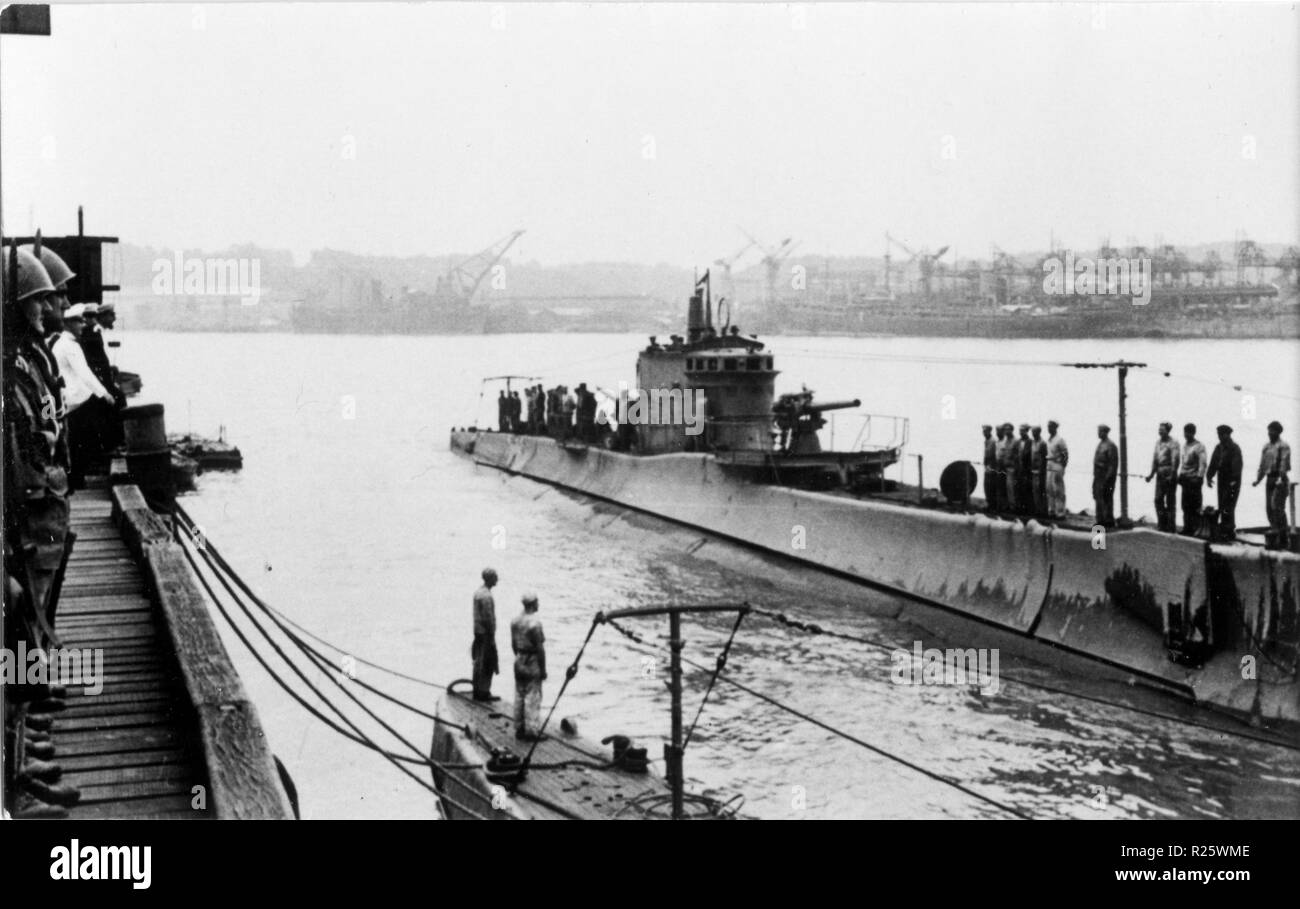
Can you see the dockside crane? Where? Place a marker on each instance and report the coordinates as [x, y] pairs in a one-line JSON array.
[[726, 265], [926, 262], [1007, 272], [729, 261], [1289, 265], [462, 281], [1249, 254], [773, 258]]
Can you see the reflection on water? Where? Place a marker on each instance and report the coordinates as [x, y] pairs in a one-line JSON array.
[[357, 522]]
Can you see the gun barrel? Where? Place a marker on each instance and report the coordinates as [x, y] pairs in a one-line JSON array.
[[832, 405]]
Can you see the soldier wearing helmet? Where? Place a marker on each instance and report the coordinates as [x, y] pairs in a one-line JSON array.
[[55, 304], [36, 523]]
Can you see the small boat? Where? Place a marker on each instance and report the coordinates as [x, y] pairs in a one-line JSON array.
[[481, 774], [210, 454], [184, 470]]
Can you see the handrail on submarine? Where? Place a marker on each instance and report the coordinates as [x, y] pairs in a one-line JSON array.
[[673, 752], [645, 611]]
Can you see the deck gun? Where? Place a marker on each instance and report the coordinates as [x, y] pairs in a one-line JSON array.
[[799, 418]]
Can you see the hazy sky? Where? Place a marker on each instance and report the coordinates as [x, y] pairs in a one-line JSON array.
[[649, 132]]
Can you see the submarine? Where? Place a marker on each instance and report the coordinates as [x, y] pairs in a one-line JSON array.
[[1215, 622]]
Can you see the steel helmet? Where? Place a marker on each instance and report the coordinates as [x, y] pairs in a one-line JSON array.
[[33, 279], [58, 270]]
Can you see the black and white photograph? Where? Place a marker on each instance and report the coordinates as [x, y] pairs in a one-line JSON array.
[[867, 411]]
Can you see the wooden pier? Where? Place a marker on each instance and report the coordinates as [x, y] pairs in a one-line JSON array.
[[171, 734]]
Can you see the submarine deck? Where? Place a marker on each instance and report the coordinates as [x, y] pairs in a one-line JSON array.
[[927, 497], [570, 777]]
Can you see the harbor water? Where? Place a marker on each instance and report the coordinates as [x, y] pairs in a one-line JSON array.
[[352, 518]]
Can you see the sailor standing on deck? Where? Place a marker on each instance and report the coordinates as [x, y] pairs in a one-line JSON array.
[[503, 412], [1038, 472], [570, 406], [1014, 504], [1005, 500], [1025, 472], [1275, 464], [484, 649], [529, 646], [1058, 455], [1191, 474], [1164, 467], [1105, 468], [990, 469], [1226, 464]]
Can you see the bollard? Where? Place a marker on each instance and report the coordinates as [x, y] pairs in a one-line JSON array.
[[148, 457]]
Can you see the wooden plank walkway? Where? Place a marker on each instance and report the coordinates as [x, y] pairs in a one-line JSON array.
[[132, 749]]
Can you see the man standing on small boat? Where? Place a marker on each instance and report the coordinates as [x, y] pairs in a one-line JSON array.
[[484, 649], [529, 645]]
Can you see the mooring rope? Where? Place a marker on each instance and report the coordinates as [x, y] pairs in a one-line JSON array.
[[358, 736]]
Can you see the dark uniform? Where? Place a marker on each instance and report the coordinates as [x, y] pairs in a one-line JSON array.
[[990, 469], [1226, 463], [1024, 472], [1038, 470], [1105, 470], [1006, 468], [36, 512], [484, 649]]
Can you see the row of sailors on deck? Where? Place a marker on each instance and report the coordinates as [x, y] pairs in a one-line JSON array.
[[60, 409], [559, 412], [1025, 476], [1185, 467]]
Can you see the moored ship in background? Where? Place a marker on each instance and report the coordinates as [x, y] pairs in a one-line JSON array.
[[1254, 295], [1246, 291]]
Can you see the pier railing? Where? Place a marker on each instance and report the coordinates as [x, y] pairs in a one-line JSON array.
[[244, 781]]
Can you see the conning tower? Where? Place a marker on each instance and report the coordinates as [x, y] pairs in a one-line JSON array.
[[732, 373]]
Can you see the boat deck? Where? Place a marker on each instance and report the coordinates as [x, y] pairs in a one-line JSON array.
[[132, 749], [570, 777]]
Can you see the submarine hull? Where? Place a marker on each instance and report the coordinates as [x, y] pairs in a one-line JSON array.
[[1231, 609]]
